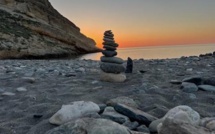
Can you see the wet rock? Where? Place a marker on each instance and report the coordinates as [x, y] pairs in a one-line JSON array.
[[74, 111], [135, 114], [189, 87], [207, 88], [90, 126]]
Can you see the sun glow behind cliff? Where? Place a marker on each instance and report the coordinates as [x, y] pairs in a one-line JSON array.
[[143, 23]]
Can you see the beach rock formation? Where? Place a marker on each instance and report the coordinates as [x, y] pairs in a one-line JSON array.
[[129, 66], [34, 29], [111, 66]]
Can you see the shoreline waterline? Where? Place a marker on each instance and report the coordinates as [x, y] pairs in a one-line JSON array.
[[158, 52]]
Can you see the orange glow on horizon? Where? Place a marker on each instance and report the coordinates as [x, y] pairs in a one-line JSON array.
[[154, 40]]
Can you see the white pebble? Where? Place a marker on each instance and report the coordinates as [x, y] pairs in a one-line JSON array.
[[21, 89]]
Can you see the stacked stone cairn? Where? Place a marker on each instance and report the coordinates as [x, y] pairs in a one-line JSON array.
[[111, 66]]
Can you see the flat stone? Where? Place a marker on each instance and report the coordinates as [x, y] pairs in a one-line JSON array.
[[21, 89], [112, 60], [74, 111], [8, 94], [194, 79], [110, 77], [108, 53], [135, 114], [109, 34], [112, 67], [122, 100], [108, 40], [189, 87], [29, 79], [110, 48], [111, 114], [207, 88], [109, 37], [177, 82], [110, 44], [90, 126]]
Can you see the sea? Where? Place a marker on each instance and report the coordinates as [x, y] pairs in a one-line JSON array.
[[157, 52]]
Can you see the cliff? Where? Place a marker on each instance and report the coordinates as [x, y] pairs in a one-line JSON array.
[[34, 29]]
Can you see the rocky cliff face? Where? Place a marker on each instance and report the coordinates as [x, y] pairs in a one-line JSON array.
[[34, 29]]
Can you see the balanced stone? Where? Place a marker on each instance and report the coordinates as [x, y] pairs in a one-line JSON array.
[[110, 77], [109, 37], [110, 44], [112, 60], [109, 53], [129, 67], [108, 31], [108, 40], [112, 68], [108, 34], [111, 48]]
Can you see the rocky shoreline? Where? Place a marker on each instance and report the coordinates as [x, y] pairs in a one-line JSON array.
[[32, 91]]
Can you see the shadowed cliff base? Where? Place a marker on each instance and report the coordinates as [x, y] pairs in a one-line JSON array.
[[34, 29]]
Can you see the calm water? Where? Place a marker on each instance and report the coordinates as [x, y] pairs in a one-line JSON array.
[[158, 52]]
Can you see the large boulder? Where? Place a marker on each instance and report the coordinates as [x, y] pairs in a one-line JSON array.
[[90, 126], [170, 127], [34, 29], [183, 114], [74, 111]]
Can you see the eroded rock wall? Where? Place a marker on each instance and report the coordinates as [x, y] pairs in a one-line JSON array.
[[34, 29]]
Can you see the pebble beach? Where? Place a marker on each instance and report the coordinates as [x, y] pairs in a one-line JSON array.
[[32, 91]]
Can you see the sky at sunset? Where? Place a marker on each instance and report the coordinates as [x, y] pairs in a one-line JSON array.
[[138, 23]]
